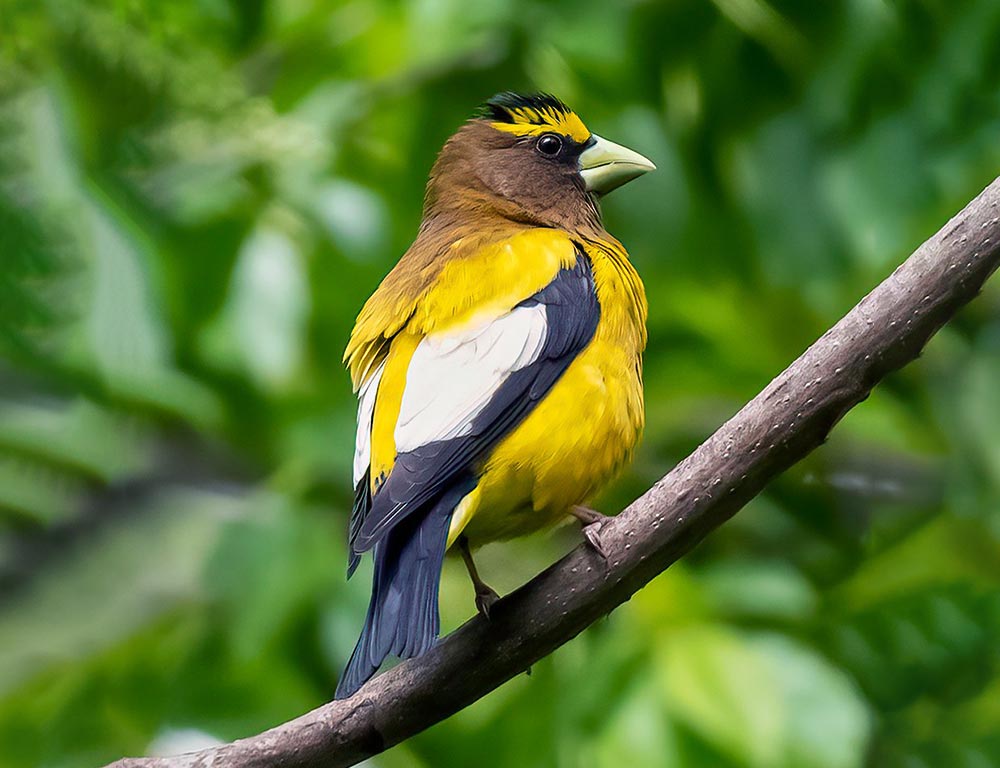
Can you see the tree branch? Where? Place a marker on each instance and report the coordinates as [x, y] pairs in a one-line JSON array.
[[793, 415]]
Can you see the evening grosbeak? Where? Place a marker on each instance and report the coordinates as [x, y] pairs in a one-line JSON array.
[[498, 366]]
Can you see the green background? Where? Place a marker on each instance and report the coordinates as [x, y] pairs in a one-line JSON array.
[[197, 197]]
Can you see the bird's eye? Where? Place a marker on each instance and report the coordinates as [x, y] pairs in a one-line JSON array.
[[549, 144]]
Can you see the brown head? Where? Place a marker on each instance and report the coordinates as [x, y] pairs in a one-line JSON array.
[[528, 159]]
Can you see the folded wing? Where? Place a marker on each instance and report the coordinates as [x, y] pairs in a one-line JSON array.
[[464, 391]]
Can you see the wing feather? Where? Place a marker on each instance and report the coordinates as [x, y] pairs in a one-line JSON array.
[[366, 408], [452, 376], [362, 460]]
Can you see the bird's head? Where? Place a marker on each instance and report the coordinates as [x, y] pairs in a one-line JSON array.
[[530, 158]]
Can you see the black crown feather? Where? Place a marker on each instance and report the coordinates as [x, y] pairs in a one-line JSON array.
[[500, 108]]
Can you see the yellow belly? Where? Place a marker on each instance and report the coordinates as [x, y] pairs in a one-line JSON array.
[[570, 446]]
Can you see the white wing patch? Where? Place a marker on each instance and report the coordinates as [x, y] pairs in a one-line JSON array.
[[366, 407], [452, 376]]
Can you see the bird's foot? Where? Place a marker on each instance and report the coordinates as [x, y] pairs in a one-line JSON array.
[[486, 598], [592, 533], [592, 521]]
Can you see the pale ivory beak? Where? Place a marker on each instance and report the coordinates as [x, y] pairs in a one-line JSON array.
[[605, 165]]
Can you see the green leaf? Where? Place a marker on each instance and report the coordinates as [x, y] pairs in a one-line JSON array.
[[764, 700], [827, 724], [721, 687]]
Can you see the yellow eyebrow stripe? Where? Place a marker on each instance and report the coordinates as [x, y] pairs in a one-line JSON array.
[[534, 122]]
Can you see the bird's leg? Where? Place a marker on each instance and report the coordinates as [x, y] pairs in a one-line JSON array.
[[592, 522], [486, 596]]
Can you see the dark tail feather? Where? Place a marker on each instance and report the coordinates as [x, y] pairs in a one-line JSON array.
[[362, 506], [403, 617]]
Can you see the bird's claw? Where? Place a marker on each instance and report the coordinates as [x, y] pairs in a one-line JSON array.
[[486, 598], [592, 533], [592, 522]]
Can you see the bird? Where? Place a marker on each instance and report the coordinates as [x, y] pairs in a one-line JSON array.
[[498, 365]]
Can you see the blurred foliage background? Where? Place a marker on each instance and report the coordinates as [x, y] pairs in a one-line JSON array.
[[197, 196]]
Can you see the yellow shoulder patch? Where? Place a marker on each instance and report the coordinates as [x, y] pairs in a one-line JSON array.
[[492, 279], [478, 275]]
